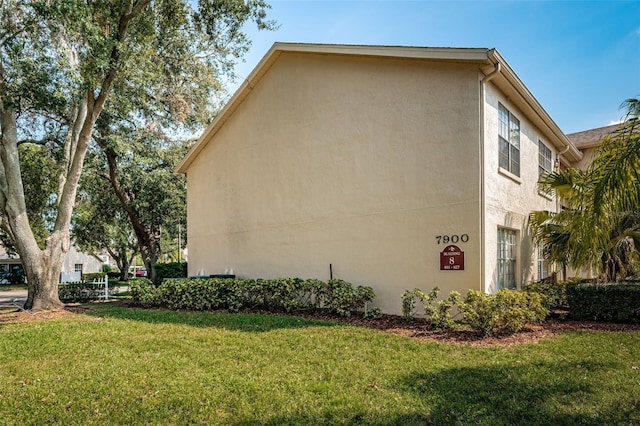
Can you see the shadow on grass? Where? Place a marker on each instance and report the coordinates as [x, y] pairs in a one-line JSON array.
[[528, 394], [535, 394], [230, 321]]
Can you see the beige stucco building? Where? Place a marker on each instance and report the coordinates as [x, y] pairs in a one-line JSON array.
[[376, 161]]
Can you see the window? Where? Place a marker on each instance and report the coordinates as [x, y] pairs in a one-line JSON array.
[[509, 141], [544, 159], [506, 258], [542, 266], [78, 267]]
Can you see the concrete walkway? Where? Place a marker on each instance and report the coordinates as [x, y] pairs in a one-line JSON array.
[[8, 297]]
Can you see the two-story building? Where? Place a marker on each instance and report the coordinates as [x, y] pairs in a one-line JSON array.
[[392, 167]]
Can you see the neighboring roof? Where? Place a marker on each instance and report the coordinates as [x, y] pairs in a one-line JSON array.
[[489, 60], [592, 137]]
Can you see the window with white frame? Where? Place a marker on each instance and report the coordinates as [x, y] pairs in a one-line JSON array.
[[77, 267], [545, 163], [543, 272], [507, 252], [509, 141]]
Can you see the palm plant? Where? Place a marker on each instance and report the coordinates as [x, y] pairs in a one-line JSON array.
[[599, 226]]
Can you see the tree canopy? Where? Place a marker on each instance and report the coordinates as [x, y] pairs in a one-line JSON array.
[[63, 63]]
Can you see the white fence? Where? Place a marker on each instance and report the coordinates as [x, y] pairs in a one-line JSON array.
[[98, 288]]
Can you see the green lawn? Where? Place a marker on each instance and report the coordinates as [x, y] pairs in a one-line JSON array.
[[8, 287], [124, 366]]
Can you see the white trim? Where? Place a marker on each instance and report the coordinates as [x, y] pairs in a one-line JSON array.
[[510, 175]]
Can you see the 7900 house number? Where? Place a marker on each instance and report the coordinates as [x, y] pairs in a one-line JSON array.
[[453, 239]]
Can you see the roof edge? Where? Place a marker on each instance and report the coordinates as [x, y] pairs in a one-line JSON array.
[[434, 53], [532, 103], [479, 55], [236, 99]]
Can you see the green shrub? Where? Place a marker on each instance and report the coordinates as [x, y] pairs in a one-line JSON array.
[[169, 270], [314, 293], [16, 276], [340, 297], [605, 302], [79, 292], [372, 313], [409, 299], [144, 293], [438, 312], [283, 294], [555, 295], [506, 312], [87, 278]]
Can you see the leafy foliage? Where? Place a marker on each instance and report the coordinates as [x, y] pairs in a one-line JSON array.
[[284, 294], [605, 302], [170, 270], [77, 73], [555, 295], [143, 292], [80, 292], [438, 312], [99, 222], [506, 312], [600, 227], [409, 300]]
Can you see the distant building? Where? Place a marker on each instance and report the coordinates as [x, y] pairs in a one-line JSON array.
[[75, 264], [392, 167]]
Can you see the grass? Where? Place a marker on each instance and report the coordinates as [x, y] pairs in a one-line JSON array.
[[124, 366], [8, 287]]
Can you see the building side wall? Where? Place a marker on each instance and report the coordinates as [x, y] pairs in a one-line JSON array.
[[509, 200], [357, 163], [89, 263], [587, 156]]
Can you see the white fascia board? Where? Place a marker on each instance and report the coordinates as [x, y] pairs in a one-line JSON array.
[[434, 53]]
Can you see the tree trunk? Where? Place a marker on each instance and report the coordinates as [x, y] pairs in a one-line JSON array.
[[123, 263], [42, 280], [150, 251], [43, 272]]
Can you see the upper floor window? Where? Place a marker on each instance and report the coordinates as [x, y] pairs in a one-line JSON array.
[[544, 159], [509, 141]]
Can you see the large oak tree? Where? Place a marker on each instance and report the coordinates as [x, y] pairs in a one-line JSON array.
[[60, 62]]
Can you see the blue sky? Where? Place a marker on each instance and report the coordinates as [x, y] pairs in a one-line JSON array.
[[580, 59]]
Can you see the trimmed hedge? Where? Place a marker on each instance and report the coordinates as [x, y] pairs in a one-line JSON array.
[[555, 295], [169, 270], [80, 292], [618, 302], [284, 294]]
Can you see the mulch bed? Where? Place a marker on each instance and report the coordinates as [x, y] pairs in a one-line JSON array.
[[415, 328], [419, 329]]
